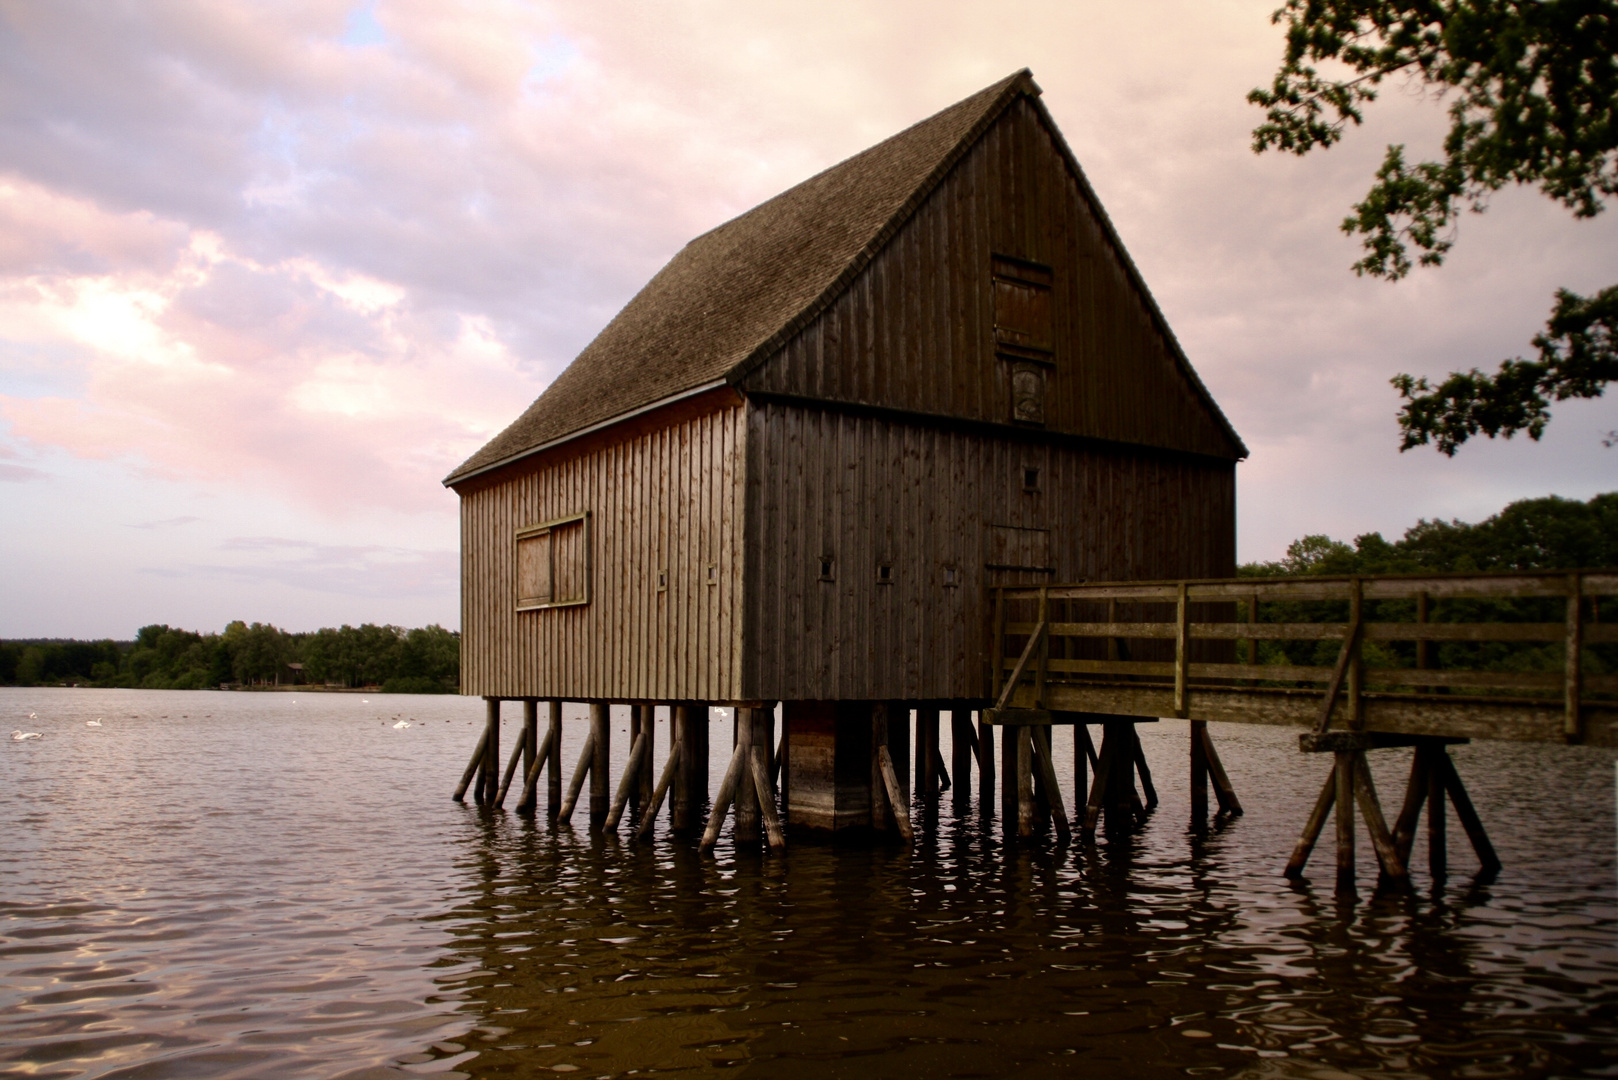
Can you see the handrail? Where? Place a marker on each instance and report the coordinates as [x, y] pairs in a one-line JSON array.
[[1170, 667]]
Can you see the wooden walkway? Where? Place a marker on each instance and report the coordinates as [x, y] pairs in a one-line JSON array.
[[1190, 649]]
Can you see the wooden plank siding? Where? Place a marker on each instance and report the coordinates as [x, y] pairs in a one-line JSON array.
[[915, 330], [662, 498], [870, 489]]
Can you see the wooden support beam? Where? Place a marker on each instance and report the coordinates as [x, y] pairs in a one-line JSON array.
[[1199, 773], [1404, 829], [1394, 873], [1023, 735], [530, 735], [939, 770], [926, 753], [518, 751], [491, 754], [1010, 778], [1312, 827], [962, 745], [600, 763], [895, 794], [1084, 756], [1343, 772], [776, 839], [1437, 842], [1144, 769], [1224, 790], [670, 770], [1103, 780], [1041, 738], [525, 804], [983, 746], [553, 778], [628, 783], [745, 829], [722, 801], [587, 756], [1467, 814], [471, 768]]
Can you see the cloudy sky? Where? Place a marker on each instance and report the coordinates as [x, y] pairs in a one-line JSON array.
[[270, 269]]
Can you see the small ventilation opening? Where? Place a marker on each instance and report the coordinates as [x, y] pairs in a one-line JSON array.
[[951, 576], [713, 574], [662, 580], [825, 568], [1030, 479], [884, 573]]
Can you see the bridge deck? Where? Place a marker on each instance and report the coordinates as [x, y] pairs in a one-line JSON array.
[[1170, 648]]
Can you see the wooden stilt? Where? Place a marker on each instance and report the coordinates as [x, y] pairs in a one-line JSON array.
[[895, 794], [722, 801], [1224, 791], [1437, 844], [671, 768], [747, 799], [926, 758], [1010, 796], [637, 716], [1025, 781], [1053, 791], [530, 735], [1199, 774], [961, 745], [1404, 829], [1394, 873], [1084, 759], [517, 753], [775, 838], [942, 772], [985, 752], [553, 778], [628, 783], [587, 756], [1312, 828], [1467, 814], [689, 784], [491, 754], [1103, 781], [1143, 769], [781, 771], [601, 744], [471, 768], [1344, 776], [525, 804]]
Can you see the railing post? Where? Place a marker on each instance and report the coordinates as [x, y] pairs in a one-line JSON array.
[[1044, 650], [1182, 650], [1356, 668], [1572, 727]]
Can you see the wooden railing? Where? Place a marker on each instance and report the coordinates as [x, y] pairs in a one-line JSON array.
[[1175, 648]]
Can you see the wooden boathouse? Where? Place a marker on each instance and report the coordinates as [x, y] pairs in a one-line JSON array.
[[795, 466]]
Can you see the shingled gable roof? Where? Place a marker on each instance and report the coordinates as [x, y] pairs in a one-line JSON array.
[[734, 295]]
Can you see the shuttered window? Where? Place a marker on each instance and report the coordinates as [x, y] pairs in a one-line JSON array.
[[553, 563], [1024, 339], [1022, 305]]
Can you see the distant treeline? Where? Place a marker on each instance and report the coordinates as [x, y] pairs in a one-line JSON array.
[[420, 661], [1532, 534]]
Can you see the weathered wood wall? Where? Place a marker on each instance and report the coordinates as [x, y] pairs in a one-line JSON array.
[[915, 331], [664, 497], [868, 490]]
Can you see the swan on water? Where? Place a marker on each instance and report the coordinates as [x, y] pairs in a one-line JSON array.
[[401, 725], [19, 736], [93, 723]]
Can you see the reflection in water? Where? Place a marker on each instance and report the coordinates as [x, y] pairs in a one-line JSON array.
[[281, 888]]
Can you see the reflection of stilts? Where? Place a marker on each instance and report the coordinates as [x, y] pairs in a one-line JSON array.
[[1432, 776]]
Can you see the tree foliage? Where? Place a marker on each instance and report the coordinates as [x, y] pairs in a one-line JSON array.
[[423, 660], [1533, 91]]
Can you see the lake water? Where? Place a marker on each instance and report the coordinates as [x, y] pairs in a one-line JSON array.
[[278, 885]]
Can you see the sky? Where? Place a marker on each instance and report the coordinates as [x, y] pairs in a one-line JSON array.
[[269, 270]]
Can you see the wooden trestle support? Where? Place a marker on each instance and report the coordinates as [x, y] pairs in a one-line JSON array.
[[1432, 778], [1031, 792]]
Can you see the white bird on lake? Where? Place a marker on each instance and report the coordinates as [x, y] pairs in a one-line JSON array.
[[401, 725], [19, 736], [33, 716], [93, 723]]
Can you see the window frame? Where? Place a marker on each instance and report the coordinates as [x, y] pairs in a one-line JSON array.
[[529, 532]]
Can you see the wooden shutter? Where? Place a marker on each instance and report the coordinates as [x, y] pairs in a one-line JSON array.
[[553, 563]]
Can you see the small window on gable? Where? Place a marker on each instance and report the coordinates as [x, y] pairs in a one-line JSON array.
[[1022, 305], [553, 563]]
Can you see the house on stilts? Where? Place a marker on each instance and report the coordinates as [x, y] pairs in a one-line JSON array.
[[787, 472]]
